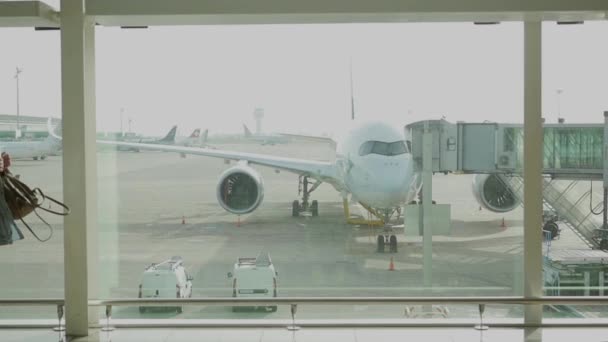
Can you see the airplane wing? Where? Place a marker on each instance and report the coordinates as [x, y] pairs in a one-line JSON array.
[[310, 138], [321, 170]]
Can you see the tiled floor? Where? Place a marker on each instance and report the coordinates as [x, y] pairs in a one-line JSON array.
[[316, 335]]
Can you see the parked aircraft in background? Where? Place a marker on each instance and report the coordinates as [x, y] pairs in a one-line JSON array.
[[196, 139], [34, 149], [168, 139]]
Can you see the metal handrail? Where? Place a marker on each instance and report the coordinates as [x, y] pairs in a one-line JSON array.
[[571, 300], [32, 302], [220, 301], [293, 302]]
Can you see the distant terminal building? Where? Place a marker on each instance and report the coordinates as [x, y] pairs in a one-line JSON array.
[[32, 127]]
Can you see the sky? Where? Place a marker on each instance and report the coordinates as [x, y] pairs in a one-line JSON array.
[[214, 77]]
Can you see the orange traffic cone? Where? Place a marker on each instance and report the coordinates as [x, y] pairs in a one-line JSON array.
[[503, 224], [183, 219], [391, 265]]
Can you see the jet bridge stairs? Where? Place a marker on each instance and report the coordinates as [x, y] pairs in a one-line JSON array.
[[570, 202], [573, 157]]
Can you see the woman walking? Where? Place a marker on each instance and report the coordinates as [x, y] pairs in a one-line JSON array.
[[8, 229]]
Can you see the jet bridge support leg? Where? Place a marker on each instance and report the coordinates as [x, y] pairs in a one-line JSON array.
[[604, 231], [427, 195]]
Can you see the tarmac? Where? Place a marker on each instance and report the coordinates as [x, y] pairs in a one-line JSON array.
[[154, 205]]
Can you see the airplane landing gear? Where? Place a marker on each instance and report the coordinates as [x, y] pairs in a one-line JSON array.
[[298, 207], [381, 244], [384, 240], [295, 208], [393, 243], [388, 237], [314, 208]]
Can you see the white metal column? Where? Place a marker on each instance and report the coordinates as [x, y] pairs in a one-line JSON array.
[[79, 164], [533, 159], [427, 206]]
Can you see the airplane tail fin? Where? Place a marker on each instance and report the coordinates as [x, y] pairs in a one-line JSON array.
[[196, 133], [170, 137], [205, 136], [247, 131]]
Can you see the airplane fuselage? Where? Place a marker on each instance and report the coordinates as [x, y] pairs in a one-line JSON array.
[[28, 149], [376, 167]]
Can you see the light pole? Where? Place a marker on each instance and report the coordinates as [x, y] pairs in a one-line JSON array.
[[122, 133], [18, 130], [559, 102]]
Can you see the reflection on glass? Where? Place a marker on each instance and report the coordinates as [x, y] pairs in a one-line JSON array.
[[323, 240]]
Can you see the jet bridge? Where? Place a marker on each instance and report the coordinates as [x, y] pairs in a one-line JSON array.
[[571, 152]]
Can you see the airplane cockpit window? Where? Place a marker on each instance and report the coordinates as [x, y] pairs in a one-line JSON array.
[[383, 148], [397, 148], [366, 148]]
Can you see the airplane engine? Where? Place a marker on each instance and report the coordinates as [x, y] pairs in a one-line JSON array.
[[240, 189], [491, 193]]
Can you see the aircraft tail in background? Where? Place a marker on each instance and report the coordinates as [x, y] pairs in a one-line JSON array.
[[247, 131], [196, 133], [205, 136], [196, 139]]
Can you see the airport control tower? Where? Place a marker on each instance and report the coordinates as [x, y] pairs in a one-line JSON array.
[[258, 115]]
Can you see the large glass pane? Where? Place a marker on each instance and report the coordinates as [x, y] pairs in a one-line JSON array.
[[31, 93], [574, 69], [292, 83]]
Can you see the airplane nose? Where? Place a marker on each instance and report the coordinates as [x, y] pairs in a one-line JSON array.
[[391, 184]]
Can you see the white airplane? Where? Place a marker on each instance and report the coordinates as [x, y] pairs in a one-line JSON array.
[[373, 164], [33, 149]]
